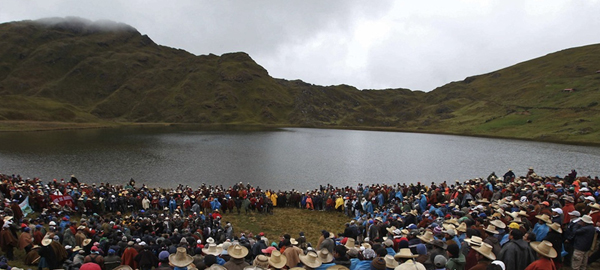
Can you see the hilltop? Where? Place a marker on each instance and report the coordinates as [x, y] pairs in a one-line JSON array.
[[79, 72]]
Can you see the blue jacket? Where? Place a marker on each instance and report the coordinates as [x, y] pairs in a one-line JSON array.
[[540, 230]]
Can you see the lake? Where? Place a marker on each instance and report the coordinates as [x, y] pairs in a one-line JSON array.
[[298, 158]]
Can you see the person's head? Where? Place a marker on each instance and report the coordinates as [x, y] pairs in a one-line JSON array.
[[339, 251], [516, 235], [529, 236], [453, 251], [440, 262], [209, 260]]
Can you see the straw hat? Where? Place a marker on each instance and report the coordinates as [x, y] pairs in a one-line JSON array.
[[391, 229], [545, 248], [350, 243], [123, 267], [595, 205], [452, 221], [491, 229], [86, 242], [237, 251], [544, 218], [587, 219], [486, 250], [210, 240], [311, 259], [427, 237], [498, 223], [216, 266], [404, 253], [448, 227], [333, 267], [462, 227], [474, 240], [261, 261], [181, 258], [277, 260], [293, 241], [484, 200], [390, 262], [46, 242], [410, 265], [325, 256], [212, 249], [523, 213], [555, 226]]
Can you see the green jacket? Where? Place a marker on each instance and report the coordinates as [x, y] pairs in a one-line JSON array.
[[457, 263]]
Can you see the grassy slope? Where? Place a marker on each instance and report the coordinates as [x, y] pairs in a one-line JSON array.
[[73, 72], [526, 100]]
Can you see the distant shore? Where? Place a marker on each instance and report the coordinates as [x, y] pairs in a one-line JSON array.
[[35, 126]]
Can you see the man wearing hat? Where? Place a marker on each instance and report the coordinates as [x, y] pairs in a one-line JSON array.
[[406, 260], [484, 256], [180, 260], [569, 234], [541, 228], [237, 253], [555, 238], [292, 253], [545, 254], [582, 243]]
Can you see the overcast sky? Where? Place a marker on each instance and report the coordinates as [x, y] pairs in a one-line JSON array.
[[367, 44]]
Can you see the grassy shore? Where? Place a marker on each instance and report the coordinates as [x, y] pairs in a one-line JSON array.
[[28, 126]]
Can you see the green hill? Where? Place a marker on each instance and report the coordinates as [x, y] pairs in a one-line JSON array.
[[74, 71]]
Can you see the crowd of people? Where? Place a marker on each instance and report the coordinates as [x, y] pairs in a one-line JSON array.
[[498, 222]]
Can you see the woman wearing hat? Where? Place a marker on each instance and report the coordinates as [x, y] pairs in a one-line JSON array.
[[545, 252]]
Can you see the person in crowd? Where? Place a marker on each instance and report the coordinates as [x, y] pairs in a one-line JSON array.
[[545, 253], [516, 253], [456, 259], [582, 242]]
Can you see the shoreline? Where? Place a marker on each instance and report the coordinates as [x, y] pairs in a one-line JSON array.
[[41, 126]]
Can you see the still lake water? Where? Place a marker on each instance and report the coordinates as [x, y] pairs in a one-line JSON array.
[[289, 158]]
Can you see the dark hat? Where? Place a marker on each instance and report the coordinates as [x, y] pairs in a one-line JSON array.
[[453, 250]]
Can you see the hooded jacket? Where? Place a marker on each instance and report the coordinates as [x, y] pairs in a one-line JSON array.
[[516, 254]]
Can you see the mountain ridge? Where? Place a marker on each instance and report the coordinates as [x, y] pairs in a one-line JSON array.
[[84, 72]]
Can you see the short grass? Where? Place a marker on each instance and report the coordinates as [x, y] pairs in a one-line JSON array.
[[290, 221]]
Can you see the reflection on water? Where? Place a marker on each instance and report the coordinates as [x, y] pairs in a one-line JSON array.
[[283, 159]]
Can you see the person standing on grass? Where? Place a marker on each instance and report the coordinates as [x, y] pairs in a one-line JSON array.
[[8, 241]]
